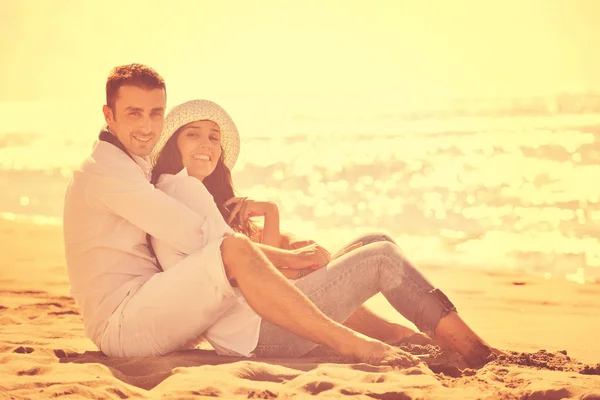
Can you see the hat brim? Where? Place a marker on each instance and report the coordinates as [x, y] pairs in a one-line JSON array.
[[198, 110]]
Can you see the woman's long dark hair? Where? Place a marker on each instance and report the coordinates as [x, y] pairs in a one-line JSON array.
[[218, 183]]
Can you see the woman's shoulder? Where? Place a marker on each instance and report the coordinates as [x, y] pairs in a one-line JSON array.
[[182, 184]]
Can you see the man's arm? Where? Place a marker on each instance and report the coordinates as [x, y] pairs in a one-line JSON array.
[[148, 208], [290, 241]]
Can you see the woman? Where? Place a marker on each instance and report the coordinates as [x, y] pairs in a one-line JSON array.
[[200, 142]]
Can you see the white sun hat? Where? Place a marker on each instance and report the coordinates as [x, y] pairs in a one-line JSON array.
[[197, 110]]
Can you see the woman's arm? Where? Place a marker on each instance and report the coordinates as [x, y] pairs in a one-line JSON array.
[[270, 234], [289, 241], [244, 208]]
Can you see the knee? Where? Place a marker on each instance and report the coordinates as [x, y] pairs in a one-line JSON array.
[[377, 249], [235, 252], [392, 251], [389, 248], [235, 246], [384, 247], [375, 237]]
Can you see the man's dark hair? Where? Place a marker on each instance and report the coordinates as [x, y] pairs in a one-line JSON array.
[[138, 75]]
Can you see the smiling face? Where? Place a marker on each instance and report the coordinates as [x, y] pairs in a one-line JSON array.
[[137, 118], [200, 145]]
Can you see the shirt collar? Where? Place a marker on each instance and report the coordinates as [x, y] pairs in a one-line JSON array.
[[145, 165], [143, 162]]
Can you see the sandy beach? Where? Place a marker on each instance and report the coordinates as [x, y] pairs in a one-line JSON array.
[[467, 131], [550, 328]]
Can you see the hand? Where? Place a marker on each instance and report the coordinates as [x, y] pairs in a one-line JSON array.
[[297, 244], [313, 256], [245, 208]]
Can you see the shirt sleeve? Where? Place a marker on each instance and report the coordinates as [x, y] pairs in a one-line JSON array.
[[192, 192], [133, 198]]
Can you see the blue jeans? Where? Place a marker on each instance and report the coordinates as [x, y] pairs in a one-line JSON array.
[[341, 287]]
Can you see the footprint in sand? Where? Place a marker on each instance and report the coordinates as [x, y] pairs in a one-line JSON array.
[[258, 394], [317, 387], [70, 312], [23, 350], [208, 392], [30, 372]]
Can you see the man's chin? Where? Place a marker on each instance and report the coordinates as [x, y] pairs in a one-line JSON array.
[[142, 151]]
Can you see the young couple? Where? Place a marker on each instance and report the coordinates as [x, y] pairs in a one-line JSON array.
[[160, 188]]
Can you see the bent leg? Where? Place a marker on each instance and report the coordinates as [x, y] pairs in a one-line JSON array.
[[172, 309], [368, 322], [429, 308], [281, 304], [346, 283], [365, 239]]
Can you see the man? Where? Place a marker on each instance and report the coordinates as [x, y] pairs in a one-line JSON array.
[[110, 206]]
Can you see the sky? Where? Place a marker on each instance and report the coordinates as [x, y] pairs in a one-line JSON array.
[[268, 58]]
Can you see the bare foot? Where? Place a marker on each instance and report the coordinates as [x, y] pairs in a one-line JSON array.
[[479, 354], [378, 353]]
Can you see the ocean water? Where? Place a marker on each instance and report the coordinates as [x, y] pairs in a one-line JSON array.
[[512, 193]]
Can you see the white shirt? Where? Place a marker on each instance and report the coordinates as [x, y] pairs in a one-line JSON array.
[[191, 192], [236, 331], [109, 206]]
